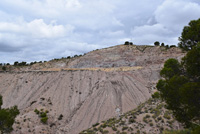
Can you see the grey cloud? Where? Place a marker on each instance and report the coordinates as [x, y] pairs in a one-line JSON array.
[[42, 30], [7, 48]]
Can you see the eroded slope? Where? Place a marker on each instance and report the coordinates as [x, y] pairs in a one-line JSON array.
[[89, 89]]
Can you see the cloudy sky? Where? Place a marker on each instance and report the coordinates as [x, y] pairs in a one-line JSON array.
[[34, 30]]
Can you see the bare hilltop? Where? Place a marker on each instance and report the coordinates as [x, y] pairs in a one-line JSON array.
[[78, 92]]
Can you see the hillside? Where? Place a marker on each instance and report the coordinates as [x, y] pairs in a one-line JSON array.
[[150, 117], [82, 91]]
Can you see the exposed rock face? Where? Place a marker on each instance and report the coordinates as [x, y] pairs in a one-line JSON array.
[[123, 55], [84, 97]]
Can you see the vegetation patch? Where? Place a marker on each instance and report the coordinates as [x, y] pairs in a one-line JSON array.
[[42, 115]]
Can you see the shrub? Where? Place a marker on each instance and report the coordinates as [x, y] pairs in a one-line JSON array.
[[196, 130], [157, 43], [114, 128], [105, 132], [166, 115], [126, 43], [42, 114], [4, 68], [172, 46], [44, 120], [131, 120], [162, 44], [156, 95], [60, 117], [7, 117], [36, 111], [124, 128], [147, 116]]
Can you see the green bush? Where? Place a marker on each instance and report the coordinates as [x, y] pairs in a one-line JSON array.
[[44, 120], [156, 95], [131, 120], [95, 125], [157, 43], [105, 132], [114, 128], [4, 68], [43, 114], [151, 124], [166, 115], [186, 131], [37, 111], [196, 130], [7, 117], [124, 128], [126, 43]]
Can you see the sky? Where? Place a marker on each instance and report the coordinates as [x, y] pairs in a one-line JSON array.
[[41, 30]]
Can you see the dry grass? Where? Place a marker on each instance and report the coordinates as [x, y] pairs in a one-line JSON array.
[[94, 69]]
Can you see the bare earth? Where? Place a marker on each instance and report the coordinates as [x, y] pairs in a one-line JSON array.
[[85, 90]]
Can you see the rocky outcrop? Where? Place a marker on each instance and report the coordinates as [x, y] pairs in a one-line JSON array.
[[84, 96]]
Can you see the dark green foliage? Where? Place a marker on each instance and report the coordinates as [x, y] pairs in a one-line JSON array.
[[172, 46], [23, 63], [42, 115], [16, 63], [4, 68], [181, 87], [190, 35], [185, 131], [177, 132], [114, 128], [33, 63], [191, 62], [126, 43], [95, 125], [124, 128], [44, 120], [1, 101], [162, 44], [37, 112], [156, 95], [171, 68], [157, 43], [131, 120], [196, 130], [7, 117]]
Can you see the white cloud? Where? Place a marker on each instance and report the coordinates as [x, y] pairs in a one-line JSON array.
[[42, 30], [170, 18], [176, 14], [37, 29]]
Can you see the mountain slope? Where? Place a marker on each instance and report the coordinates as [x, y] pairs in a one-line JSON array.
[[150, 117], [84, 90]]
